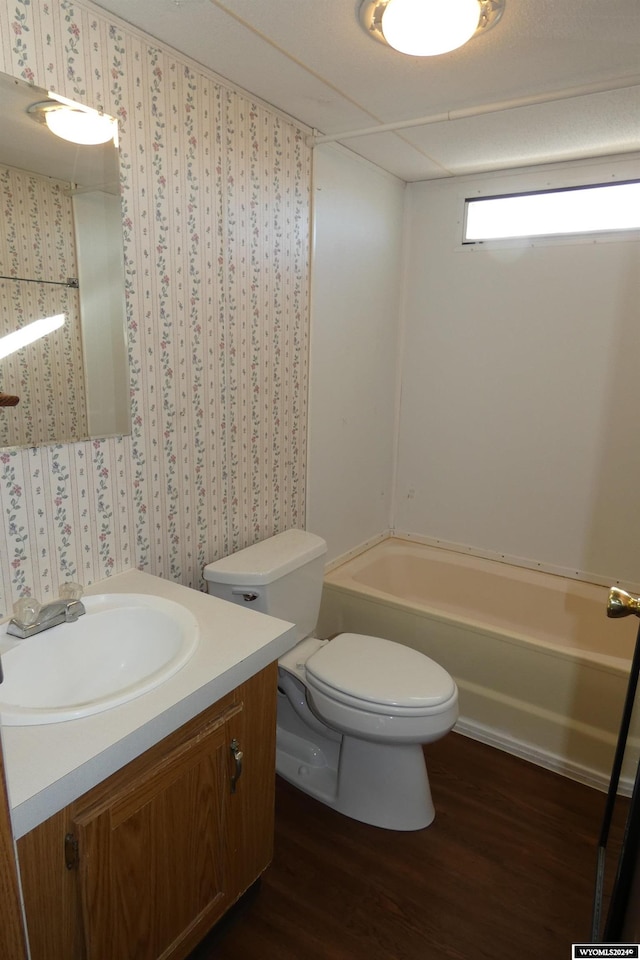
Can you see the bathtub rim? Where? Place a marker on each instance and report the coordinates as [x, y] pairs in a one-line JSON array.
[[512, 560], [605, 662]]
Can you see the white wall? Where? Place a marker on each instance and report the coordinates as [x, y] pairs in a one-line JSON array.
[[520, 386], [358, 226]]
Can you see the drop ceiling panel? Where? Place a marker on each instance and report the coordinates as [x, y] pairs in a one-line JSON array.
[[541, 46], [532, 135], [396, 155], [312, 60]]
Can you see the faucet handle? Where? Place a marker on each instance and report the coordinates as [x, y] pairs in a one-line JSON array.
[[71, 590], [622, 604], [26, 610]]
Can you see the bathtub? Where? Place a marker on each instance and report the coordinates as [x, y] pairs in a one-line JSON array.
[[542, 672]]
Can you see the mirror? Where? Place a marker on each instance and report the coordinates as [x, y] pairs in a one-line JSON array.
[[61, 254]]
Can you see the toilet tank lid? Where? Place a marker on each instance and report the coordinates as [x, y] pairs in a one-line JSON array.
[[267, 560]]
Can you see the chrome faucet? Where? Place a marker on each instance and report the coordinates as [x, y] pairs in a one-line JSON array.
[[31, 617]]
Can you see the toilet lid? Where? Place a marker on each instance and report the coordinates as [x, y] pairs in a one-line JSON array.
[[379, 671]]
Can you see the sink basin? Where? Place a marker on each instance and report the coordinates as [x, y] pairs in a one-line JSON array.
[[125, 645]]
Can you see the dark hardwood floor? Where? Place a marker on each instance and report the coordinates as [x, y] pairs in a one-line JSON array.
[[505, 872]]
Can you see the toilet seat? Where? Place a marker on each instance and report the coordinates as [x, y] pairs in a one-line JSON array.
[[379, 676]]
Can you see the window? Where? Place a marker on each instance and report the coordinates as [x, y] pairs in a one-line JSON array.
[[578, 210]]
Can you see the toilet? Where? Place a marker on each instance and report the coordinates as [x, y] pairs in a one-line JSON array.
[[353, 711]]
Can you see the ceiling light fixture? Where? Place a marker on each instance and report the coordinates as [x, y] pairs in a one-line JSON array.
[[74, 122], [425, 28]]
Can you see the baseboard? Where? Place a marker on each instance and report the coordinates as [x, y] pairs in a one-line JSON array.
[[542, 758]]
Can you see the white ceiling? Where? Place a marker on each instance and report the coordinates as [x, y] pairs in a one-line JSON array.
[[577, 60]]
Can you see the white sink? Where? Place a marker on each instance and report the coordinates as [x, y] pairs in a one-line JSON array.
[[124, 646]]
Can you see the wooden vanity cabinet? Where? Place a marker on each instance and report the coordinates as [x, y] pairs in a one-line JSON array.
[[144, 864]]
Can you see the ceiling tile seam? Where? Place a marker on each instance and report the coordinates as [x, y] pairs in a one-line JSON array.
[[423, 153], [312, 73], [464, 113]]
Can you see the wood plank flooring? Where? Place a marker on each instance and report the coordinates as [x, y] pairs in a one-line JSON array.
[[505, 872]]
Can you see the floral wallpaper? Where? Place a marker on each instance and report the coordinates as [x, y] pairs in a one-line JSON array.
[[216, 224], [37, 244]]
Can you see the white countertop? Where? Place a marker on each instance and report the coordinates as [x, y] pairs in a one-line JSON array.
[[50, 765]]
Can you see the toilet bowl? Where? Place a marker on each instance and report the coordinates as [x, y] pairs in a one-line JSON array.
[[353, 714], [380, 690], [354, 711]]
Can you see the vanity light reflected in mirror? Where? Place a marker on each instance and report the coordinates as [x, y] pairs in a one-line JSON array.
[[74, 122], [61, 253]]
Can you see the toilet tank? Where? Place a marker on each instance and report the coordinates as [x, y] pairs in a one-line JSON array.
[[281, 576]]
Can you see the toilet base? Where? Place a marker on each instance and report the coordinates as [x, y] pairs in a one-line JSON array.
[[385, 785]]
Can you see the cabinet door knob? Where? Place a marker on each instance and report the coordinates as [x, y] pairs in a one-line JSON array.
[[237, 755]]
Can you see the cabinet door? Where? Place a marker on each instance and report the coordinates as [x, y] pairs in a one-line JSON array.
[[164, 846], [154, 861], [12, 942], [251, 809]]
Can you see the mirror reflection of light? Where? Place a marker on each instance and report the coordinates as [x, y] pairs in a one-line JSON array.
[[80, 127], [79, 124], [28, 334]]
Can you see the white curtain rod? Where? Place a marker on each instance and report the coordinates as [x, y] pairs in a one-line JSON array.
[[567, 94]]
